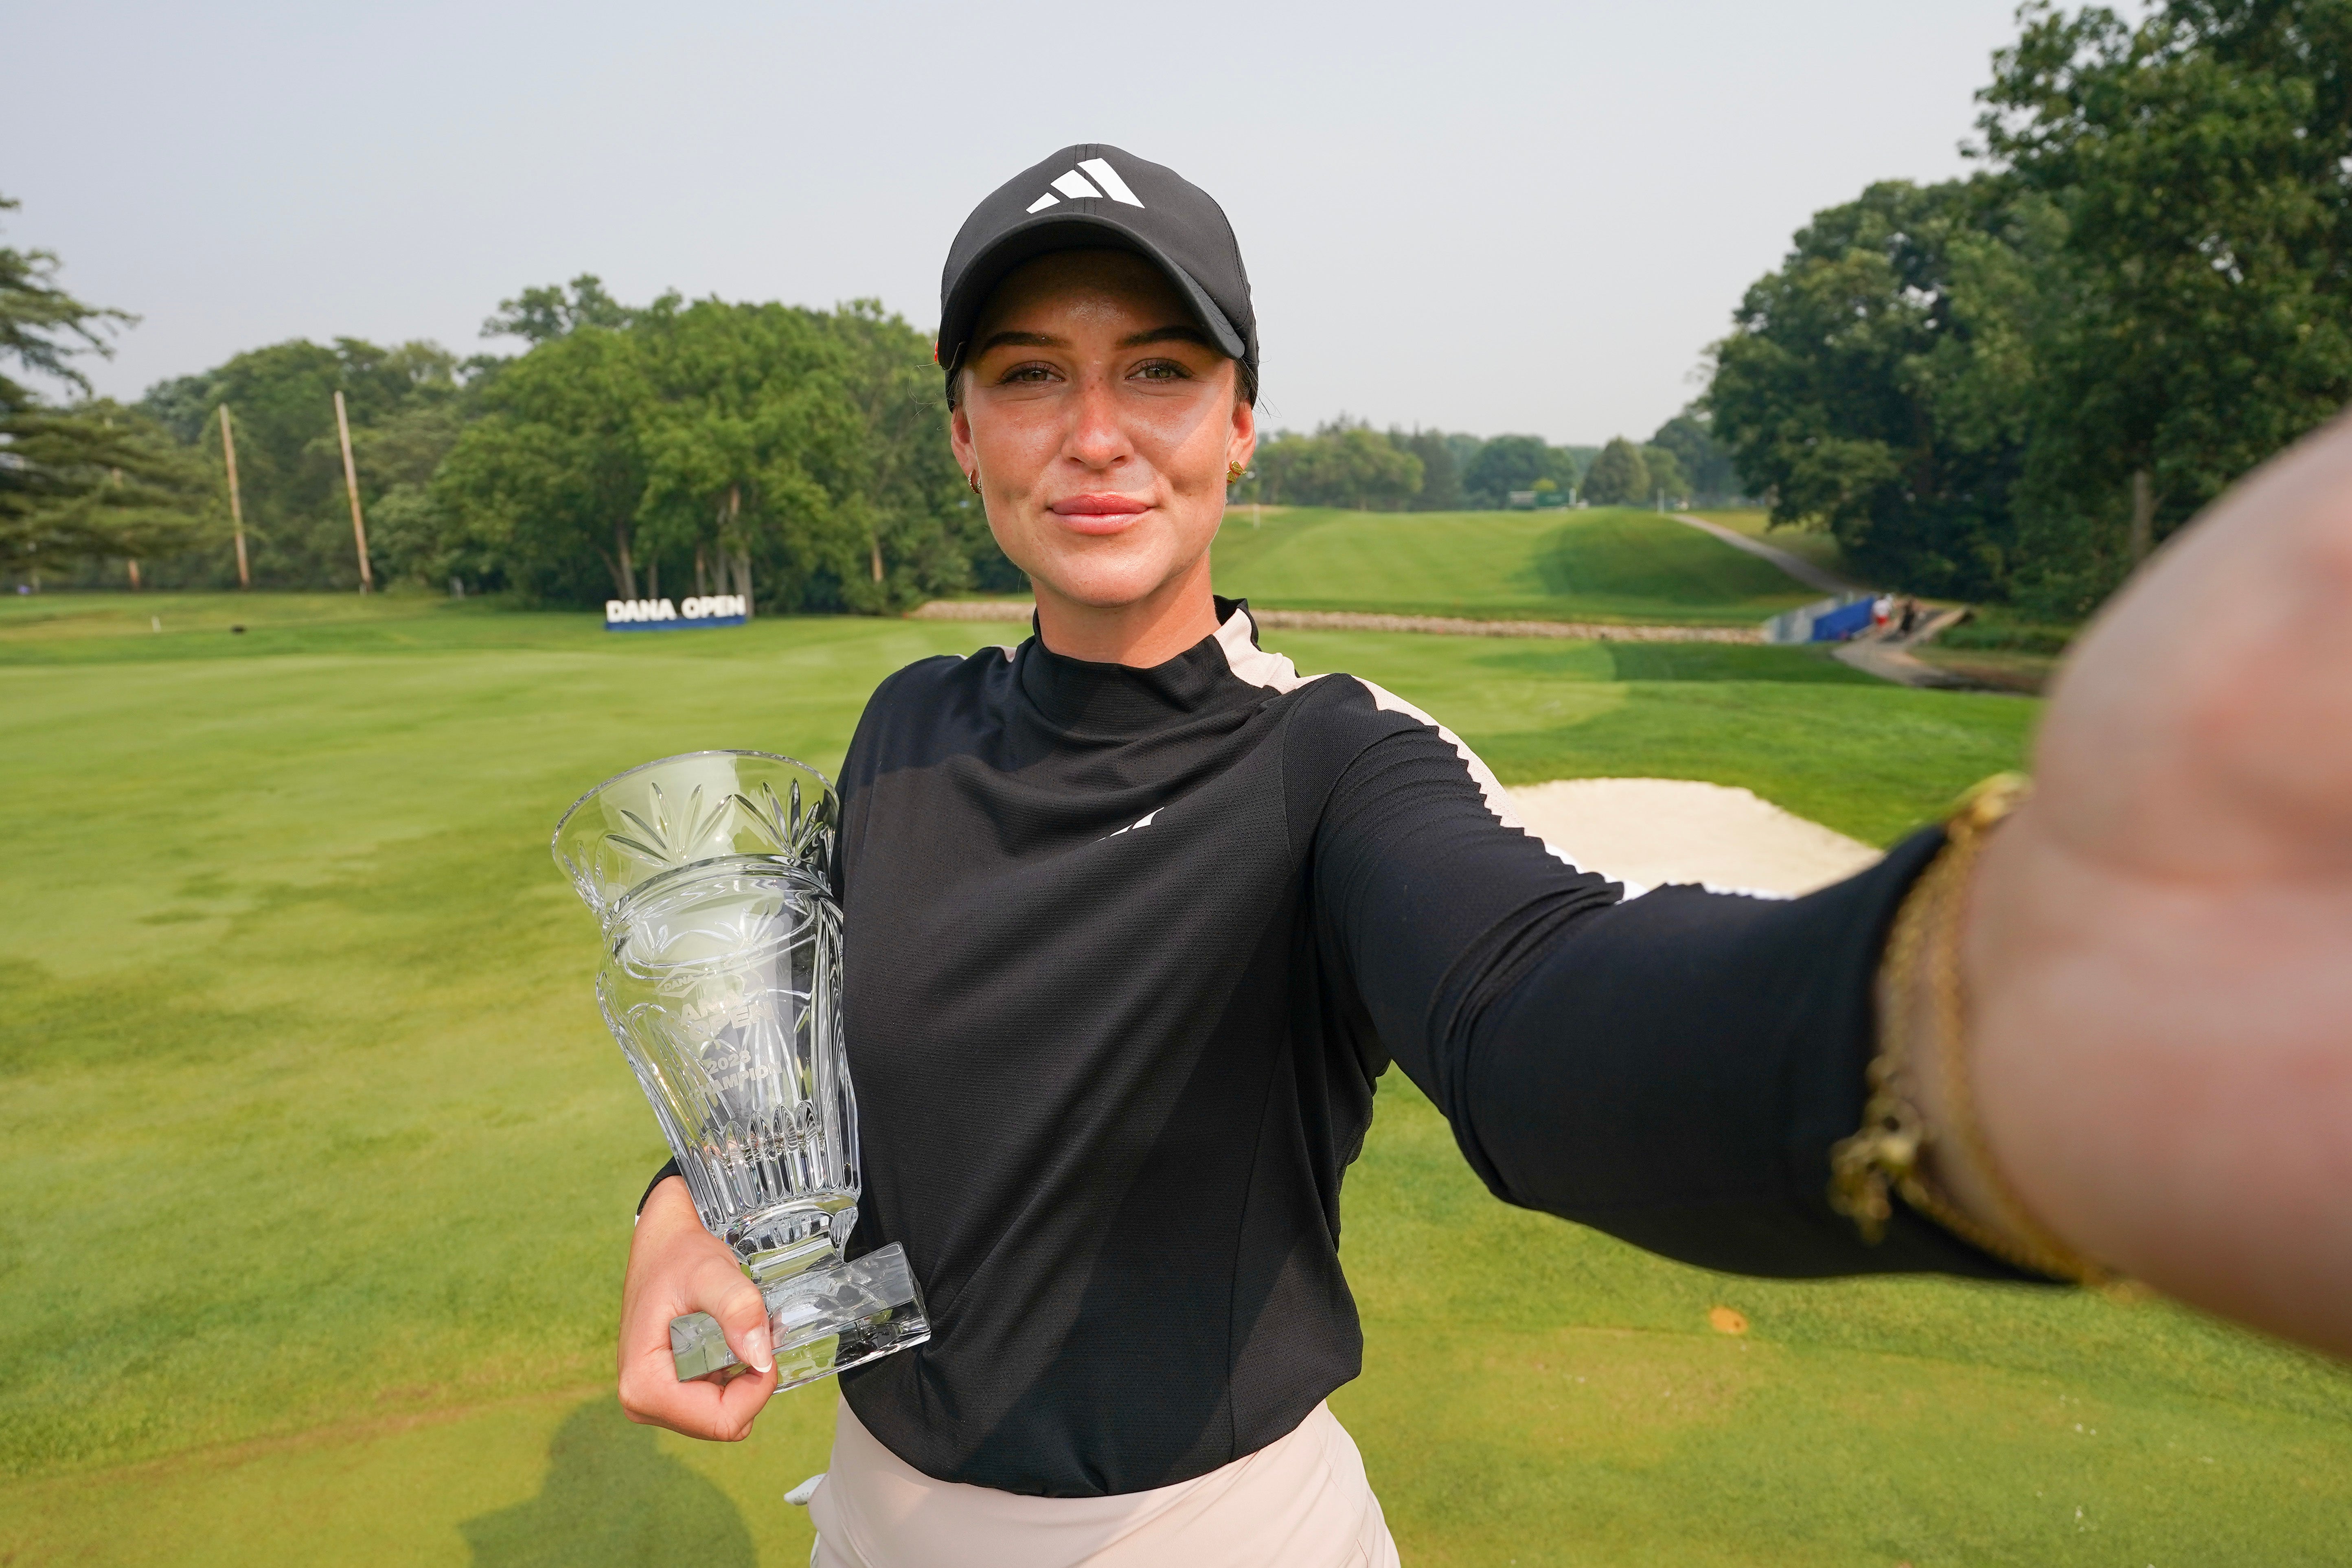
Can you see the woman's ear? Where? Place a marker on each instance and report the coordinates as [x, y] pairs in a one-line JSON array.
[[960, 436], [1241, 444]]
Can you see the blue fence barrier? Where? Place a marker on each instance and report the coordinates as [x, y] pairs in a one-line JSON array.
[[1824, 620]]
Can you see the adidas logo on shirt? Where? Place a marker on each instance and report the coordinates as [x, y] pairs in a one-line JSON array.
[[1076, 187]]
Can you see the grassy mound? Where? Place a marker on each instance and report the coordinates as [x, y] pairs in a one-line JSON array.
[[1604, 564], [320, 1162]]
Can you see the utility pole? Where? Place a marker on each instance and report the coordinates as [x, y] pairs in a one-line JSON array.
[[352, 485], [115, 475], [133, 562], [235, 505], [742, 564], [2143, 516]]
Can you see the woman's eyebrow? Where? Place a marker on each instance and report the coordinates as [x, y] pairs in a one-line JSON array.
[[1022, 341], [1171, 333]]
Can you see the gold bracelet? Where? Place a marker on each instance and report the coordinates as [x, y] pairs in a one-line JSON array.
[[1881, 1160]]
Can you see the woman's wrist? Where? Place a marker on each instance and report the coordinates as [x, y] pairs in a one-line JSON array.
[[668, 1172], [1923, 1140]]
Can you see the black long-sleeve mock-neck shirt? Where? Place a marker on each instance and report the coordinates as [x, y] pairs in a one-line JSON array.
[[1125, 951]]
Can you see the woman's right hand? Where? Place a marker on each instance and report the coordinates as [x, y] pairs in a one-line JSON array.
[[676, 1267], [2161, 1005]]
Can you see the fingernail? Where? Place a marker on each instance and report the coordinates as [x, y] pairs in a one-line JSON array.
[[756, 1341]]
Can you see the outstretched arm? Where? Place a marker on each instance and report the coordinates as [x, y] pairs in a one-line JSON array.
[[1673, 1070]]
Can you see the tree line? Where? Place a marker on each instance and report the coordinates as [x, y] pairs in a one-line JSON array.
[[1347, 463], [794, 455], [2014, 386], [791, 455]]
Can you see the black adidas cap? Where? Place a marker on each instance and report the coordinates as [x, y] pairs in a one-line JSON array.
[[1089, 196]]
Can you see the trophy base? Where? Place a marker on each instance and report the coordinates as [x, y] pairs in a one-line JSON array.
[[822, 1321]]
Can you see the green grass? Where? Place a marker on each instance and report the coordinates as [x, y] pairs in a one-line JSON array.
[[1994, 627], [320, 1160], [1609, 565]]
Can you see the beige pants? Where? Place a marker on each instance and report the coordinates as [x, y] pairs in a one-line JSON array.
[[1299, 1502]]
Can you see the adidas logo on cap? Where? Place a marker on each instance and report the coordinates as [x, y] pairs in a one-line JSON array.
[[1076, 187]]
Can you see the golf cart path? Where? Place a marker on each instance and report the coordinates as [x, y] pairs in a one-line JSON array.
[[1889, 657], [1885, 655], [1796, 566]]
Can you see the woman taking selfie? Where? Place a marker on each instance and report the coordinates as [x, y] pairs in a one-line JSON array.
[[1138, 914]]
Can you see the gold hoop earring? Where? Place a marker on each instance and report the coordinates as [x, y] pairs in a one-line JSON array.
[[973, 479], [1233, 473]]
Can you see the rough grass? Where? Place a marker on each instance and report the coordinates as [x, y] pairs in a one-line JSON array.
[[1613, 564], [320, 1160]]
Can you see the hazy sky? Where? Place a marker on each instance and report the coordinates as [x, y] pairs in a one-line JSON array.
[[1485, 217]]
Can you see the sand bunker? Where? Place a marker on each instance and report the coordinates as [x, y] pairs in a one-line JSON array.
[[1650, 831]]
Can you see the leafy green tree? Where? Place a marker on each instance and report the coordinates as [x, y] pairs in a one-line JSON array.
[[1441, 470], [1618, 476], [396, 459], [748, 415], [2201, 298], [1509, 463], [42, 327], [1465, 449], [1880, 384], [93, 480], [1504, 464], [406, 405], [1704, 464], [537, 315], [795, 456], [922, 535], [2016, 385], [544, 492], [1343, 463], [1665, 472]]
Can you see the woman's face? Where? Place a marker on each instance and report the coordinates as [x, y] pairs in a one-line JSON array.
[[1099, 422]]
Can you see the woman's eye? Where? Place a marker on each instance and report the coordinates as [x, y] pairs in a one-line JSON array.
[[1027, 373], [1163, 370]]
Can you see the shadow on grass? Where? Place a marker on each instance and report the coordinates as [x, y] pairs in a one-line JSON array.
[[1637, 554], [1721, 661], [611, 1497], [1685, 662]]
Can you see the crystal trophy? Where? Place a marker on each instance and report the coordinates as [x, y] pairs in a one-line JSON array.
[[710, 875]]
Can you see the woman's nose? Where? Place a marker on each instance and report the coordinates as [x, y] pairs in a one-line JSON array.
[[1097, 437]]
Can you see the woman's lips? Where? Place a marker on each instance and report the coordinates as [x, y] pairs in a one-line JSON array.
[[1105, 512]]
